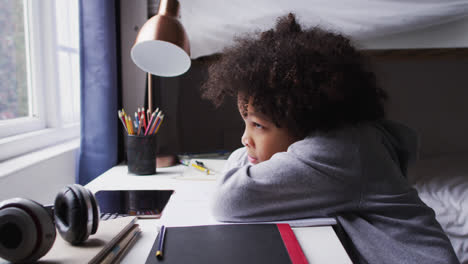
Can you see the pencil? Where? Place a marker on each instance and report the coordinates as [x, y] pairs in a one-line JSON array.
[[144, 120], [157, 128], [130, 125], [122, 120], [124, 116], [155, 123], [198, 167], [139, 128], [149, 124], [148, 115], [126, 123], [137, 120], [159, 251], [135, 125]]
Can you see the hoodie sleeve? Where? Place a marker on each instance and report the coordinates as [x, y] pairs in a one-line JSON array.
[[316, 177]]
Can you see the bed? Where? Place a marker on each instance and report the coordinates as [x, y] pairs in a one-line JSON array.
[[442, 183]]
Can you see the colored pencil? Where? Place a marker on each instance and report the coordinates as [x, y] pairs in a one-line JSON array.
[[153, 126], [149, 124], [139, 129], [122, 120], [159, 125], [141, 125], [148, 115], [130, 125], [137, 120]]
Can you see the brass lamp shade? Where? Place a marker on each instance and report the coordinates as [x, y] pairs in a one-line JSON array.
[[162, 47]]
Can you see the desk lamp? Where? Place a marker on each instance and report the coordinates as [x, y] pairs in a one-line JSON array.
[[162, 47]]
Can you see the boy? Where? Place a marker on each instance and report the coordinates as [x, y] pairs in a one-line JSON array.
[[317, 145]]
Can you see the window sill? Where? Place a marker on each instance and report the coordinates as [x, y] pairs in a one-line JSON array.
[[23, 144], [13, 165]]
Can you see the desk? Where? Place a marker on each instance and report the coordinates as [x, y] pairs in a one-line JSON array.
[[189, 205]]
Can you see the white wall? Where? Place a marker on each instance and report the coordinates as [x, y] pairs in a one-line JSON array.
[[39, 175]]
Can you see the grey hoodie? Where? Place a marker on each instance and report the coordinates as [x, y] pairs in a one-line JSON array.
[[356, 174]]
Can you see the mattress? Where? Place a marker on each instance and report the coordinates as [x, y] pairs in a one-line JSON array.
[[442, 184]]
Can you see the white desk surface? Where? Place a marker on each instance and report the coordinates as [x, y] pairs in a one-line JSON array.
[[189, 205]]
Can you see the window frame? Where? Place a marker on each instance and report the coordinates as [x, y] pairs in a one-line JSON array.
[[44, 128]]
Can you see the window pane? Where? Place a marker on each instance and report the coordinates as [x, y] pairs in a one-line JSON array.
[[68, 59], [69, 86], [13, 79]]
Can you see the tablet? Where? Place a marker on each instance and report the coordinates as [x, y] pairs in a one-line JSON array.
[[140, 203]]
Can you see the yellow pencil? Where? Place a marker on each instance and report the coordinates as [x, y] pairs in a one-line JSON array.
[[130, 125], [198, 167], [126, 122]]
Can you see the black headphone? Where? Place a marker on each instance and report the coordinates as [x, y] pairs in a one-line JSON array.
[[27, 230]]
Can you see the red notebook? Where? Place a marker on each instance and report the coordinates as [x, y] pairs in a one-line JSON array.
[[238, 243]]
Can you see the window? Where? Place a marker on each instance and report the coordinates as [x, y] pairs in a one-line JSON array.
[[39, 74]]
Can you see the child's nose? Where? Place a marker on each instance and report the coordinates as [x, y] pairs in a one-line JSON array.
[[246, 140]]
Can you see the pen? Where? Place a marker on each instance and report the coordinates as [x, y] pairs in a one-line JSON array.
[[159, 252], [198, 167]]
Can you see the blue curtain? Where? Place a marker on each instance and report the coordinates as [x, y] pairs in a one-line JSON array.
[[99, 88]]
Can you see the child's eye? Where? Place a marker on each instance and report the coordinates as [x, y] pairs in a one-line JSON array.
[[257, 125]]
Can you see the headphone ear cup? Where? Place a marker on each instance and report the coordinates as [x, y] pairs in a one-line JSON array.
[[73, 213], [27, 231], [70, 216], [96, 211]]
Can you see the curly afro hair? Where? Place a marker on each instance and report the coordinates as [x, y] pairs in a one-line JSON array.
[[306, 79]]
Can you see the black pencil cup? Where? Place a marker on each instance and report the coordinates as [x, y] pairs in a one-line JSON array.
[[141, 154]]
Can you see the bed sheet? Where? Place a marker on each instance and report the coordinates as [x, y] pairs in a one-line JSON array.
[[442, 184]]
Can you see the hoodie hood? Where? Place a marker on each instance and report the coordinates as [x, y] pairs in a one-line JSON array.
[[401, 141]]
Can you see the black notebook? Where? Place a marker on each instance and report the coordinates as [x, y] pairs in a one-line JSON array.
[[238, 243]]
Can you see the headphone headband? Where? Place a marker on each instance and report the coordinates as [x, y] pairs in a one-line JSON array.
[[27, 230]]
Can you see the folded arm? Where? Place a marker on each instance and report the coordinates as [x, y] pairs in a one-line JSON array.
[[286, 187]]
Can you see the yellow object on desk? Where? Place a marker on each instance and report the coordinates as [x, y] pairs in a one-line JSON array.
[[200, 168], [214, 166]]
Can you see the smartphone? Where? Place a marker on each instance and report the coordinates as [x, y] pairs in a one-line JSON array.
[[140, 203]]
